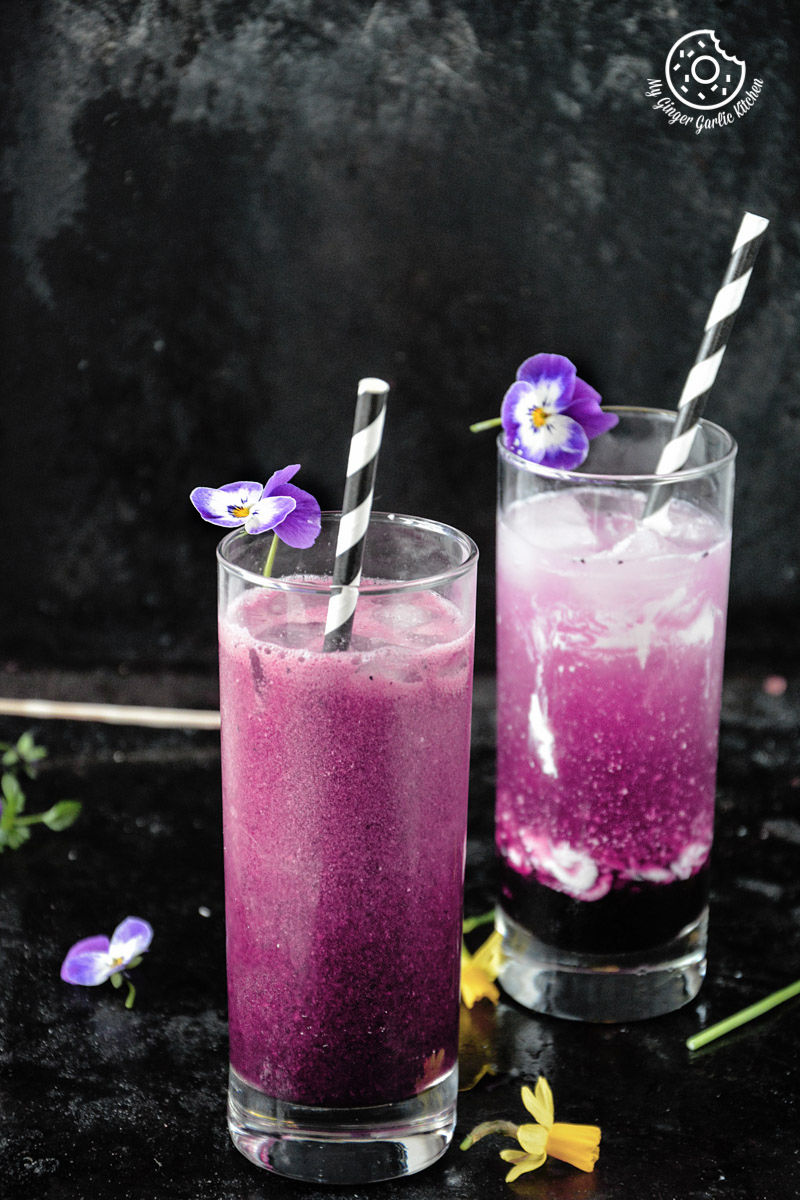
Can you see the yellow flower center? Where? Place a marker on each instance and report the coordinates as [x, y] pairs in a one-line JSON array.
[[538, 417], [240, 510]]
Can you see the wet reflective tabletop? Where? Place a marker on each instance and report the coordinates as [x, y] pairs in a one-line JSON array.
[[103, 1102]]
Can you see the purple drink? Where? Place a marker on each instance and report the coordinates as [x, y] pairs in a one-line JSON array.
[[607, 764], [345, 785], [610, 640], [344, 792]]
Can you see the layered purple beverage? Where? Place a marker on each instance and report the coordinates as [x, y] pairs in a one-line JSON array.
[[610, 641], [606, 766]]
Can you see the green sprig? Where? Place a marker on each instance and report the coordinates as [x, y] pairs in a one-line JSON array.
[[271, 556], [743, 1016], [23, 756], [23, 753], [120, 977], [471, 923]]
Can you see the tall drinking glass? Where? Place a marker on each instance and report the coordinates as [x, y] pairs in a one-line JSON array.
[[610, 636], [345, 795]]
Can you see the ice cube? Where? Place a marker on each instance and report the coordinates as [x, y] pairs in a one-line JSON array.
[[643, 542], [561, 523], [403, 612], [685, 526]]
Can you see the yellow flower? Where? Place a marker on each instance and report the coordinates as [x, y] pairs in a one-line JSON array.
[[578, 1145], [479, 971]]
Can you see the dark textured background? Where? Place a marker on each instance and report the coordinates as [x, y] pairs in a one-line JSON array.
[[219, 214]]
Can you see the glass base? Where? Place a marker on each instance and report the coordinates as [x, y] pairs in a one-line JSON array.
[[342, 1145], [600, 987]]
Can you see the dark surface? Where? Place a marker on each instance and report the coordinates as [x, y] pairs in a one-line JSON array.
[[217, 215], [101, 1102]]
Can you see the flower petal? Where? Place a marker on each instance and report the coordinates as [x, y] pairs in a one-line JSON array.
[[301, 527], [270, 512], [578, 1145], [88, 962], [540, 1103], [275, 483], [489, 955], [514, 411], [524, 1162], [566, 444], [217, 505], [585, 409], [533, 1138], [131, 937], [553, 377], [476, 985], [512, 1155]]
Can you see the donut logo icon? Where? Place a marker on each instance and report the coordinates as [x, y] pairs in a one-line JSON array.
[[700, 74]]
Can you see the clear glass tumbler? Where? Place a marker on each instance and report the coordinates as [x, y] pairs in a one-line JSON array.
[[610, 638], [344, 781]]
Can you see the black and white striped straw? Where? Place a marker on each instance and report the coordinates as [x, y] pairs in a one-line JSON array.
[[356, 508], [701, 378]]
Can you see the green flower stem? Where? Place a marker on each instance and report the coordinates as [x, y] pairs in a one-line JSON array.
[[741, 1018], [479, 426], [485, 1128], [271, 556], [471, 923], [129, 999]]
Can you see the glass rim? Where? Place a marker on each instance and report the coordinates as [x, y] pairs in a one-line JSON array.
[[650, 478], [379, 588]]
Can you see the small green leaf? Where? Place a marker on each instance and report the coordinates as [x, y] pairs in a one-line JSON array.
[[62, 815], [29, 753], [16, 836], [25, 744], [135, 961], [13, 795], [116, 980]]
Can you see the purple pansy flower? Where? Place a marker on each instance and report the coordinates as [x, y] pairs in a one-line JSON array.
[[291, 513], [549, 414], [96, 959]]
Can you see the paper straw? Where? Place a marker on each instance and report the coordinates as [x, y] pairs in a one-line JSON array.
[[701, 378], [356, 508]]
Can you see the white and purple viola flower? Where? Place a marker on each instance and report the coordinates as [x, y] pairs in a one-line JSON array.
[[549, 415], [94, 960], [292, 514]]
